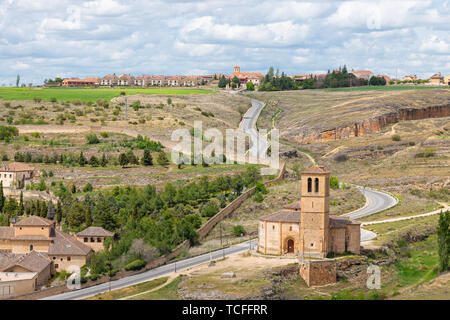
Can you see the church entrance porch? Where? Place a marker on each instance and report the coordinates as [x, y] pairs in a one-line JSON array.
[[290, 246]]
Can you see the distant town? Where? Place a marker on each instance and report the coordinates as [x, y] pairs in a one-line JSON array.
[[255, 78]]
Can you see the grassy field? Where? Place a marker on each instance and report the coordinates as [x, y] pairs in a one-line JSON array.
[[129, 291], [168, 292], [86, 94]]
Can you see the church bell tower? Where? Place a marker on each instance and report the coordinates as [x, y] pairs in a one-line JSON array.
[[315, 209]]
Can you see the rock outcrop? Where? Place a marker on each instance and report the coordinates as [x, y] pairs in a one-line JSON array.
[[374, 124]]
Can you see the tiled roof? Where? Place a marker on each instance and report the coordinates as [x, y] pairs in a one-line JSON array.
[[95, 232], [316, 169], [282, 216], [35, 221], [16, 167], [64, 244], [293, 206], [17, 276], [437, 76], [33, 261], [341, 222]]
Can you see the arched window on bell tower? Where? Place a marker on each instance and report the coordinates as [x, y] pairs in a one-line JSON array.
[[316, 185], [309, 185]]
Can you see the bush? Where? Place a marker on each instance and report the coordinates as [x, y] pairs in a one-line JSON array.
[[209, 209], [135, 265], [259, 197], [396, 137], [427, 154], [87, 188], [238, 230], [341, 158], [334, 182], [92, 138]]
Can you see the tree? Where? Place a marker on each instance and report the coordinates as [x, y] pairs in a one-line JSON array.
[[88, 216], [222, 82], [87, 187], [123, 160], [92, 138], [147, 159], [74, 188], [104, 161], [51, 211], [132, 159], [59, 212], [236, 81], [17, 80], [81, 159], [44, 210], [93, 161], [21, 207], [162, 159], [238, 230], [250, 86], [443, 234]]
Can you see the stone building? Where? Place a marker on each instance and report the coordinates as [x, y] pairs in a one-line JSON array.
[[38, 234], [14, 175], [94, 237], [305, 228]]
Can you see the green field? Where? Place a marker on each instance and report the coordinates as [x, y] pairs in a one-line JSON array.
[[87, 94], [387, 88]]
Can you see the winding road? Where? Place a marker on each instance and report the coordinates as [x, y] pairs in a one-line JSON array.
[[376, 201]]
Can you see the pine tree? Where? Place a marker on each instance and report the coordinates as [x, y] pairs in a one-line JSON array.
[[59, 212], [81, 159], [443, 234], [21, 207], [88, 216], [123, 159], [147, 159], [104, 161], [74, 189]]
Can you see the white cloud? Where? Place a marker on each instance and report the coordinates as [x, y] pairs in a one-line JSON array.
[[97, 37]]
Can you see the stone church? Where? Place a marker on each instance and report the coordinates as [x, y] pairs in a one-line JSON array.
[[306, 228]]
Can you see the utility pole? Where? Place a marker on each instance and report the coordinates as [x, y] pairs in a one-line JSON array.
[[220, 228]]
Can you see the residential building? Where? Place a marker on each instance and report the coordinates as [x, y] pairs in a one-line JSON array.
[[362, 74], [437, 79], [15, 175], [126, 80], [94, 237], [39, 234], [447, 80], [244, 77], [109, 80], [410, 77], [75, 82]]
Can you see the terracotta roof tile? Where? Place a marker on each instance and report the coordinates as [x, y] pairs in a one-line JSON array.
[[35, 221], [16, 167], [64, 244], [95, 232], [282, 216], [33, 261]]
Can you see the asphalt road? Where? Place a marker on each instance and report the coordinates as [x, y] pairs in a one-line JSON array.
[[375, 202], [154, 273], [259, 144]]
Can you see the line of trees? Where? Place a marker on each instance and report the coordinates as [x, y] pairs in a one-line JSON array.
[[275, 82]]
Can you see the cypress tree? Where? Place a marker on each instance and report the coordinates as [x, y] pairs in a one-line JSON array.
[[88, 216], [443, 234], [104, 161], [59, 212], [43, 213], [147, 159], [21, 207], [38, 208]]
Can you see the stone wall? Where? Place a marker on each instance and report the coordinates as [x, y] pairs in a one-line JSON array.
[[318, 272]]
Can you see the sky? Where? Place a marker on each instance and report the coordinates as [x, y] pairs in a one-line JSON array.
[[41, 39]]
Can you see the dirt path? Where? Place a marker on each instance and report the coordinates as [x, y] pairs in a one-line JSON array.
[[171, 277], [446, 207], [335, 150]]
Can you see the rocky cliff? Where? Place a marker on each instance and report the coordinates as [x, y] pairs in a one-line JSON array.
[[374, 124]]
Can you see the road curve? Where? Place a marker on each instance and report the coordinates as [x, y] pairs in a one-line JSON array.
[[154, 273], [259, 144], [376, 201]]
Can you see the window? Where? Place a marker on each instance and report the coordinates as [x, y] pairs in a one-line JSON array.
[[56, 266], [31, 247], [68, 258], [290, 228], [312, 244], [85, 239], [309, 185], [316, 185], [62, 259], [99, 239], [54, 258], [92, 240], [273, 227]]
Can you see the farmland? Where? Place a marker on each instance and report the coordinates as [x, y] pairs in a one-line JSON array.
[[87, 94]]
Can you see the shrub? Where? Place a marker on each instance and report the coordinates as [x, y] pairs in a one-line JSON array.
[[135, 265], [104, 134], [412, 143], [92, 138], [396, 137], [209, 209], [334, 182], [259, 197], [341, 158], [238, 230], [427, 154], [87, 187]]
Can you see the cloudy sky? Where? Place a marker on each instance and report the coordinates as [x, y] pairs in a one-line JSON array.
[[42, 39]]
